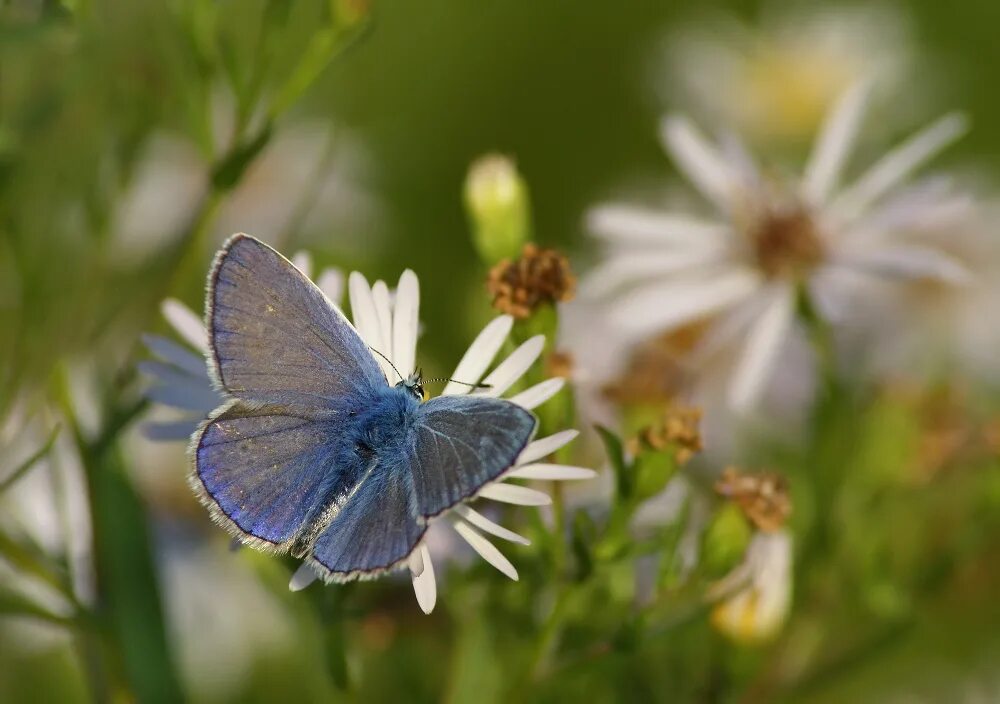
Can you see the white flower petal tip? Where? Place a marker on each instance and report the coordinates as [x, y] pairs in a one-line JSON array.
[[537, 449], [834, 144], [331, 283], [486, 549], [896, 166], [303, 262], [480, 355], [484, 524], [539, 393], [424, 583], [186, 323], [699, 160], [405, 322], [551, 472], [761, 352], [631, 225], [513, 494], [303, 577], [514, 367]]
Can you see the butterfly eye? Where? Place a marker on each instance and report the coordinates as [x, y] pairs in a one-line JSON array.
[[422, 392]]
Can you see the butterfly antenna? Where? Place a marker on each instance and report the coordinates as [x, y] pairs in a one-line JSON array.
[[477, 385], [389, 361]]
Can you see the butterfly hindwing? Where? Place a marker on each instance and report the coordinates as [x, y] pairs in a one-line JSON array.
[[375, 529], [264, 471], [460, 443], [276, 339]]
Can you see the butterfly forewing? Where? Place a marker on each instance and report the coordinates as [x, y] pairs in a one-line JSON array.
[[275, 338]]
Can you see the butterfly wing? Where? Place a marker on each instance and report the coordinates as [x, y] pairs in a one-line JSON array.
[[375, 529], [274, 336], [263, 471], [460, 443]]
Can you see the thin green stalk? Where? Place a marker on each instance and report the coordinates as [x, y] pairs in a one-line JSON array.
[[27, 465]]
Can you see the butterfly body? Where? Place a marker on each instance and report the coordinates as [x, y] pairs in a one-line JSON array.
[[316, 454]]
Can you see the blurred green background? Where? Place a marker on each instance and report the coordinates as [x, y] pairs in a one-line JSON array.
[[387, 105]]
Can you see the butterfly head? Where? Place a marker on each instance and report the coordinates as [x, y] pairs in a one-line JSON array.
[[415, 384]]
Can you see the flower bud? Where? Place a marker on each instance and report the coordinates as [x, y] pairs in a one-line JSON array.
[[496, 199]]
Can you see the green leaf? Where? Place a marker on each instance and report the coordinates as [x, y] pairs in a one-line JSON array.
[[652, 470], [230, 170], [624, 481], [26, 466], [128, 591], [584, 536]]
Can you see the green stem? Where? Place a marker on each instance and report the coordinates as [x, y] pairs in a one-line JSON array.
[[26, 466]]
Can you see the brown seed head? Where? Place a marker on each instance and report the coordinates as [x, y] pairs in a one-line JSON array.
[[786, 243], [677, 429], [539, 275], [763, 497]]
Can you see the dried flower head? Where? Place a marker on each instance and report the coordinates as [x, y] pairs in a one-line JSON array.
[[678, 428], [763, 497], [657, 371], [559, 364], [540, 275]]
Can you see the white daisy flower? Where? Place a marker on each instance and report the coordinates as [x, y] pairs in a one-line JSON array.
[[777, 78], [754, 598], [741, 269], [389, 325], [180, 374]]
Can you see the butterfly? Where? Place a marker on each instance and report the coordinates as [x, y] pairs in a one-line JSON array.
[[315, 453]]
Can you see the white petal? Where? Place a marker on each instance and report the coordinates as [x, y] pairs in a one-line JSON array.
[[544, 447], [303, 262], [170, 430], [514, 494], [303, 577], [908, 262], [629, 225], [186, 323], [730, 328], [424, 584], [331, 282], [514, 367], [383, 313], [189, 397], [483, 523], [538, 394], [480, 355], [700, 161], [405, 322], [634, 267], [366, 319], [486, 549], [550, 472], [675, 303], [826, 164], [927, 206], [895, 166], [761, 351], [180, 357]]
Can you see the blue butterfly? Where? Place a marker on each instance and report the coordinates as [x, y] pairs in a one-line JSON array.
[[315, 453]]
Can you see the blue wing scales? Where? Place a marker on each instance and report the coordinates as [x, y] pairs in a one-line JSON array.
[[276, 339], [460, 443]]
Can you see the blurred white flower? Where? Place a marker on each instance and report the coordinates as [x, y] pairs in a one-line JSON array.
[[389, 324], [754, 598], [309, 180], [776, 80], [929, 329], [741, 270], [180, 375]]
